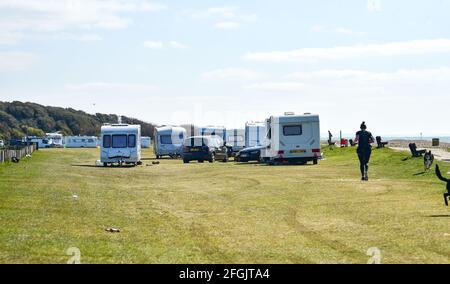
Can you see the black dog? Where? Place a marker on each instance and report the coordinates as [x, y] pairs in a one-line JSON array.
[[446, 195], [428, 160]]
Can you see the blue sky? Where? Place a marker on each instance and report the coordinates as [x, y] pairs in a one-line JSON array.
[[228, 62]]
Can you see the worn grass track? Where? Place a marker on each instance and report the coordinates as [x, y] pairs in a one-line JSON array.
[[222, 213]]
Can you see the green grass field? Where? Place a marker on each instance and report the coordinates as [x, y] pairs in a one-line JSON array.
[[222, 213]]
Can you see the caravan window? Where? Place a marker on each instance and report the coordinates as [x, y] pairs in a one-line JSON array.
[[131, 141], [107, 141], [119, 141], [292, 130], [166, 139]]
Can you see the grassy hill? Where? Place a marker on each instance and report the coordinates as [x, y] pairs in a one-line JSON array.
[[18, 119], [222, 213]]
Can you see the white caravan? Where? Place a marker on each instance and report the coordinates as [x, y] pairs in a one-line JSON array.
[[56, 140], [235, 138], [255, 134], [214, 130], [146, 141], [292, 138], [120, 143], [2, 144], [169, 141], [80, 142]]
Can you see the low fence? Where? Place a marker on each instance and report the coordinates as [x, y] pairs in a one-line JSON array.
[[7, 155]]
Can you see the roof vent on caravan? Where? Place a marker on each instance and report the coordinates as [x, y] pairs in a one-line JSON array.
[[307, 113], [289, 113]]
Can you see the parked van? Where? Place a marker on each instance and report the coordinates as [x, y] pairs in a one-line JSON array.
[[292, 138], [120, 143], [80, 142], [204, 148], [255, 134], [235, 140], [169, 141], [146, 141]]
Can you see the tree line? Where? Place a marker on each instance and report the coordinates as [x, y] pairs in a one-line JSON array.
[[19, 119]]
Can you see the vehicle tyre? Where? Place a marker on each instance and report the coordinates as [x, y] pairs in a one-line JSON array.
[[200, 161], [212, 158], [315, 162], [105, 164], [185, 161]]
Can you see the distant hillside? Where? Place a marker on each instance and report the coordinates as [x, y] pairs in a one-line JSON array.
[[18, 119]]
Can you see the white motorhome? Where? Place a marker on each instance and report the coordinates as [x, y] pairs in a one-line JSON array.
[[146, 141], [80, 142], [255, 134], [169, 141], [292, 138], [120, 143], [235, 138], [56, 140]]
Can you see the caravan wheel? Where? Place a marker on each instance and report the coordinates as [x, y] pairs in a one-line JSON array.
[[315, 162]]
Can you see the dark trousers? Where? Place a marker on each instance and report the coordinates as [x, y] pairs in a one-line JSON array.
[[364, 158]]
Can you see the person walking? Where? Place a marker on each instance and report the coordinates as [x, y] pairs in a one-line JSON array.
[[364, 138]]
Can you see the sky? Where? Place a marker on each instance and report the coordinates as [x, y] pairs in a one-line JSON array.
[[228, 62]]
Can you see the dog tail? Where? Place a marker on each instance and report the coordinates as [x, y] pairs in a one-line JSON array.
[[439, 175]]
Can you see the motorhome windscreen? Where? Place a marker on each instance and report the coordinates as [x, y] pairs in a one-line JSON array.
[[107, 141], [131, 141], [119, 141], [292, 130], [166, 139]]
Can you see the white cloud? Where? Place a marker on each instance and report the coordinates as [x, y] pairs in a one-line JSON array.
[[227, 25], [29, 17], [225, 17], [276, 87], [160, 45], [16, 61], [10, 38], [215, 12], [105, 87], [153, 44], [408, 77], [231, 73], [416, 47], [176, 44], [338, 30]]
